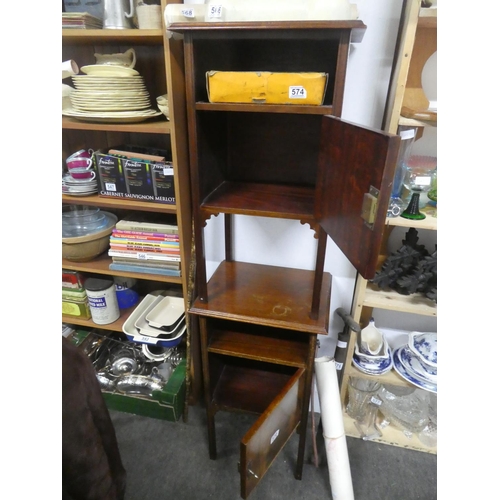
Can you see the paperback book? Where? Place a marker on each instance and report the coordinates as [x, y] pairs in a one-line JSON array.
[[150, 263], [145, 236], [155, 256], [115, 266]]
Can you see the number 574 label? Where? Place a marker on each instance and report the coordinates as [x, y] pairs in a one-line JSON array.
[[297, 92]]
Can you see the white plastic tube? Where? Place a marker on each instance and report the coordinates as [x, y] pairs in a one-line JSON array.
[[69, 68], [339, 469]]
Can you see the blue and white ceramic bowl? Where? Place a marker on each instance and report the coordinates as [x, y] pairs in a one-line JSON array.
[[373, 365], [424, 345]]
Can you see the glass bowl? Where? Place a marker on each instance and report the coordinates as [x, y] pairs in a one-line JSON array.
[[79, 220]]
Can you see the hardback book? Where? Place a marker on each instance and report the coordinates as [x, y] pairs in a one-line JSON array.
[[146, 226]]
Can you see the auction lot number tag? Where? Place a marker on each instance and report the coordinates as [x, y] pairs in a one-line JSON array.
[[297, 92], [215, 12]]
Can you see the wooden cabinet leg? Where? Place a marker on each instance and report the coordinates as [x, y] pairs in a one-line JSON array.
[[305, 406], [212, 449], [318, 273]]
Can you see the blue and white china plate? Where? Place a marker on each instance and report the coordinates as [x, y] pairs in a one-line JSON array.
[[415, 365], [411, 376]]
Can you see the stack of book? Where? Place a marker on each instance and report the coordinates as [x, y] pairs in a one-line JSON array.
[[80, 20], [145, 247]]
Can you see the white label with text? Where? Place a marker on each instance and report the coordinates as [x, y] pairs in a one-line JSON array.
[[297, 92], [274, 436], [215, 12]]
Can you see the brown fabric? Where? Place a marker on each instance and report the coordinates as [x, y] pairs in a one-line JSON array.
[[91, 464]]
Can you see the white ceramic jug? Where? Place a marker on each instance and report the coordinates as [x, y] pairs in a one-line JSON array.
[[126, 59]]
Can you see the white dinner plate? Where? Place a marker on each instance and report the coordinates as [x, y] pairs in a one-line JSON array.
[[108, 70], [109, 94], [112, 117]]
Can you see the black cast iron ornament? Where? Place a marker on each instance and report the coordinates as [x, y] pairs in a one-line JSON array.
[[410, 269]]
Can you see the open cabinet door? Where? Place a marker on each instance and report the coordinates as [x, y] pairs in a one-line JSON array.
[[355, 174], [269, 434]]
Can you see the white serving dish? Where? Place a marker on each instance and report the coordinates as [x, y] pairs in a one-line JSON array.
[[134, 335], [166, 313]]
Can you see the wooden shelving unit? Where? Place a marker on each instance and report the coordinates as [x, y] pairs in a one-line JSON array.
[[157, 62], [417, 41]]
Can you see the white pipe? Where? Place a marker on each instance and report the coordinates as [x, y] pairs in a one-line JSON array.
[[333, 429]]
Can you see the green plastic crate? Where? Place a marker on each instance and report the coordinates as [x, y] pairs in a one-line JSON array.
[[167, 404]]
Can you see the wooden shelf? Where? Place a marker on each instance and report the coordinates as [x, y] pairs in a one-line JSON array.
[[136, 36], [270, 296], [212, 28], [119, 203], [391, 436], [265, 200], [262, 348], [391, 378], [154, 126], [264, 108], [116, 326], [100, 265], [427, 223], [411, 122], [394, 301]]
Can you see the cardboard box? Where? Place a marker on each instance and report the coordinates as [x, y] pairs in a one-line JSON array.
[[135, 178], [167, 404], [264, 87]]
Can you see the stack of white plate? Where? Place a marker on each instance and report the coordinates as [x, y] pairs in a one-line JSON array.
[[110, 93], [158, 319], [78, 187]]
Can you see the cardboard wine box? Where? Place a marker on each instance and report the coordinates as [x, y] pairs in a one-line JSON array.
[[135, 178]]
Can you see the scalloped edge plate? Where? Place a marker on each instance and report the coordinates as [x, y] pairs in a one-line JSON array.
[[108, 70]]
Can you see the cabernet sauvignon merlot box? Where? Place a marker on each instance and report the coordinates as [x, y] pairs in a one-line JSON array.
[[135, 178]]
